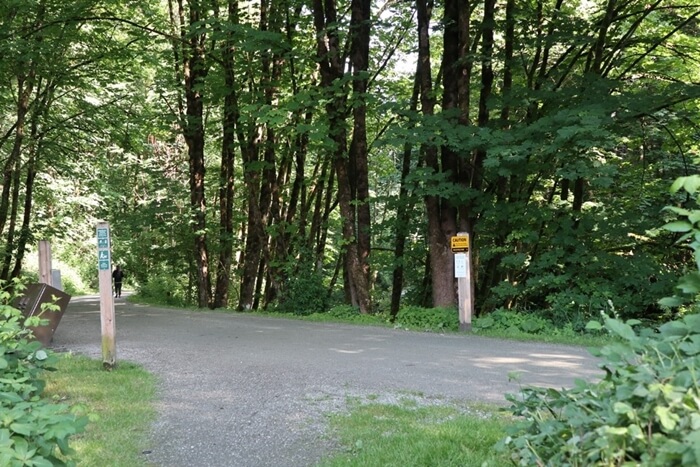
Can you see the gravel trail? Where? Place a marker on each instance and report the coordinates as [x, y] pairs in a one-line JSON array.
[[241, 390]]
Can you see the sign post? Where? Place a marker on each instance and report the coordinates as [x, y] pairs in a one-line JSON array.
[[460, 247], [45, 262], [104, 266]]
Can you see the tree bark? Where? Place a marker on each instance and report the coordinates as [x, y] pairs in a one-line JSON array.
[[193, 67], [424, 12], [12, 226], [226, 178], [330, 55]]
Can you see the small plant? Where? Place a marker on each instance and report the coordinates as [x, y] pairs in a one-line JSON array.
[[432, 319], [646, 409], [643, 412], [513, 322], [163, 289], [344, 311], [303, 295], [33, 431]]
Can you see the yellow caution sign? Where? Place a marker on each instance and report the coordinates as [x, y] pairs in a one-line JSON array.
[[459, 243]]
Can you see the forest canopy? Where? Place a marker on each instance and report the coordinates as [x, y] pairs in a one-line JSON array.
[[298, 154]]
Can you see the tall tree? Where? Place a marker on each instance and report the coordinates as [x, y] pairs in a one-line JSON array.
[[228, 145], [331, 62], [190, 49]]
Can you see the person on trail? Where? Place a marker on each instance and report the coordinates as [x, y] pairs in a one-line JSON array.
[[118, 275]]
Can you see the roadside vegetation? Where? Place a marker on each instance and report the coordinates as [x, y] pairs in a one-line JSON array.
[[119, 404], [281, 160], [644, 411], [637, 416], [411, 434]]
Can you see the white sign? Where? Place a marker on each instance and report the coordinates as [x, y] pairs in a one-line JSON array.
[[460, 265]]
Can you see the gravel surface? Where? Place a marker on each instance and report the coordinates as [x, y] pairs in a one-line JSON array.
[[241, 390]]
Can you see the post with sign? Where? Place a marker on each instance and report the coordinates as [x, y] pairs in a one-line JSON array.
[[104, 266], [460, 248], [45, 262]]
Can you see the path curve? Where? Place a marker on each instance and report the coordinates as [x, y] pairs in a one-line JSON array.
[[241, 390]]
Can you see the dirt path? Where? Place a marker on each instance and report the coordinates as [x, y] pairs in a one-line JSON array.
[[240, 390]]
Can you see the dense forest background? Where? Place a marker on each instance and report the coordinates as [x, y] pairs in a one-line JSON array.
[[298, 154]]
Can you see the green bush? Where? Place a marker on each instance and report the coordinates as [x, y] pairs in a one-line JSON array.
[[433, 319], [645, 410], [163, 289], [304, 294], [345, 312], [33, 431], [513, 322]]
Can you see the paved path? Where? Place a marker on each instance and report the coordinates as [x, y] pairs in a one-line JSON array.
[[241, 390]]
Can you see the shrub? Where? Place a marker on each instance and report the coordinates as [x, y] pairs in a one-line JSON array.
[[415, 317], [513, 322], [645, 410], [163, 289], [33, 431], [347, 312], [304, 294]]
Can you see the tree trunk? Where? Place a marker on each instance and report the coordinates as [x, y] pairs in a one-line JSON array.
[[226, 185], [255, 234], [24, 232], [359, 57], [24, 91], [192, 67], [492, 273], [12, 227], [329, 55], [402, 215], [442, 217]]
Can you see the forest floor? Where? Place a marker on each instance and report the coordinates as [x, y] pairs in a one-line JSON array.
[[242, 390]]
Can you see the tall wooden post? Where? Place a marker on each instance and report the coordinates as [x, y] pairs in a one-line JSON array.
[[104, 265], [45, 262], [462, 265]]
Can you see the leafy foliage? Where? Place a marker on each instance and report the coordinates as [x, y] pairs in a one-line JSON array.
[[304, 294], [164, 289], [433, 319], [505, 320], [33, 431], [644, 410], [688, 288]]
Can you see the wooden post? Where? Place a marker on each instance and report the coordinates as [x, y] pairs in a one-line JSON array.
[[462, 266], [45, 262], [104, 265]]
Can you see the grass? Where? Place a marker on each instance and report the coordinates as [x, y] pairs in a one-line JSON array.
[[410, 435], [120, 406]]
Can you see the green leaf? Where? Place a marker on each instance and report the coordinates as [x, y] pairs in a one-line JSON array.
[[677, 184], [22, 429], [691, 183], [677, 210], [622, 408], [678, 226], [667, 418], [594, 326], [692, 321], [690, 283], [621, 329], [671, 302]]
